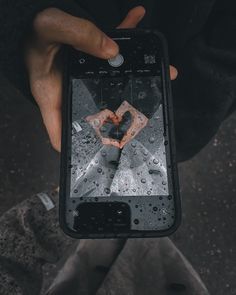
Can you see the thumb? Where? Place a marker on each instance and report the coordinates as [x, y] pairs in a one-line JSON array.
[[54, 26]]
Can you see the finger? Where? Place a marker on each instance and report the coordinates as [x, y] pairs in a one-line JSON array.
[[133, 17], [109, 115], [112, 117], [109, 141], [130, 134], [56, 26], [173, 73], [48, 93], [136, 126], [52, 121], [127, 137]]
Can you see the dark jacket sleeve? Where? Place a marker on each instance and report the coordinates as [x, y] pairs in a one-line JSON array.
[[16, 19], [205, 90]]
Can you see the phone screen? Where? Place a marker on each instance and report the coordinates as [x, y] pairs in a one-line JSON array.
[[118, 172], [117, 143]]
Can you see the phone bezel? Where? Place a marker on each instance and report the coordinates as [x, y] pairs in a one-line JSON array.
[[168, 117]]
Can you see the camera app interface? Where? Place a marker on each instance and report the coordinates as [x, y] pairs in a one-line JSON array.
[[117, 145]]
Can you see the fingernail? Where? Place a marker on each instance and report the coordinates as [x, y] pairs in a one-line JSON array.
[[109, 47]]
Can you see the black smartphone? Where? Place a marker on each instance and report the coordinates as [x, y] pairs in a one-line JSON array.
[[118, 169]]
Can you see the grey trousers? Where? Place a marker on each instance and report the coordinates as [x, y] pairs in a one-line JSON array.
[[37, 258]]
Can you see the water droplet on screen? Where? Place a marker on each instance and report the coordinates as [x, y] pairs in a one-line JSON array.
[[155, 161], [133, 144], [107, 190], [104, 153], [164, 182], [112, 176], [135, 152], [149, 192], [151, 139], [145, 153], [164, 211], [103, 129], [75, 191], [131, 166], [85, 180], [143, 180], [141, 95], [134, 190], [75, 213], [99, 170], [93, 93]]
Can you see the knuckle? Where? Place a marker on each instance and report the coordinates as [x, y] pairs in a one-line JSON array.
[[90, 33], [44, 19]]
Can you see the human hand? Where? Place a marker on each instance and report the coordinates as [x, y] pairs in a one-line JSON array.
[[52, 28], [97, 120], [138, 122]]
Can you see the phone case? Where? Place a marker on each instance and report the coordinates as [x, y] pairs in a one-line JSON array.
[[169, 220]]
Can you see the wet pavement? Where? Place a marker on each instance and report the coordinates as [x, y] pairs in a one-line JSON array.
[[208, 186]]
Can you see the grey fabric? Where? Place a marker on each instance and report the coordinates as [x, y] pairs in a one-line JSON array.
[[37, 258]]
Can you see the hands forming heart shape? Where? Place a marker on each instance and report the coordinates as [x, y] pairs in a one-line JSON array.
[[138, 122]]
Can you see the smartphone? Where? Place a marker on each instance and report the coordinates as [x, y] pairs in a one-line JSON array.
[[118, 169]]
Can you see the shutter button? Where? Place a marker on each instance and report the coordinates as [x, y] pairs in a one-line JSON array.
[[116, 61]]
